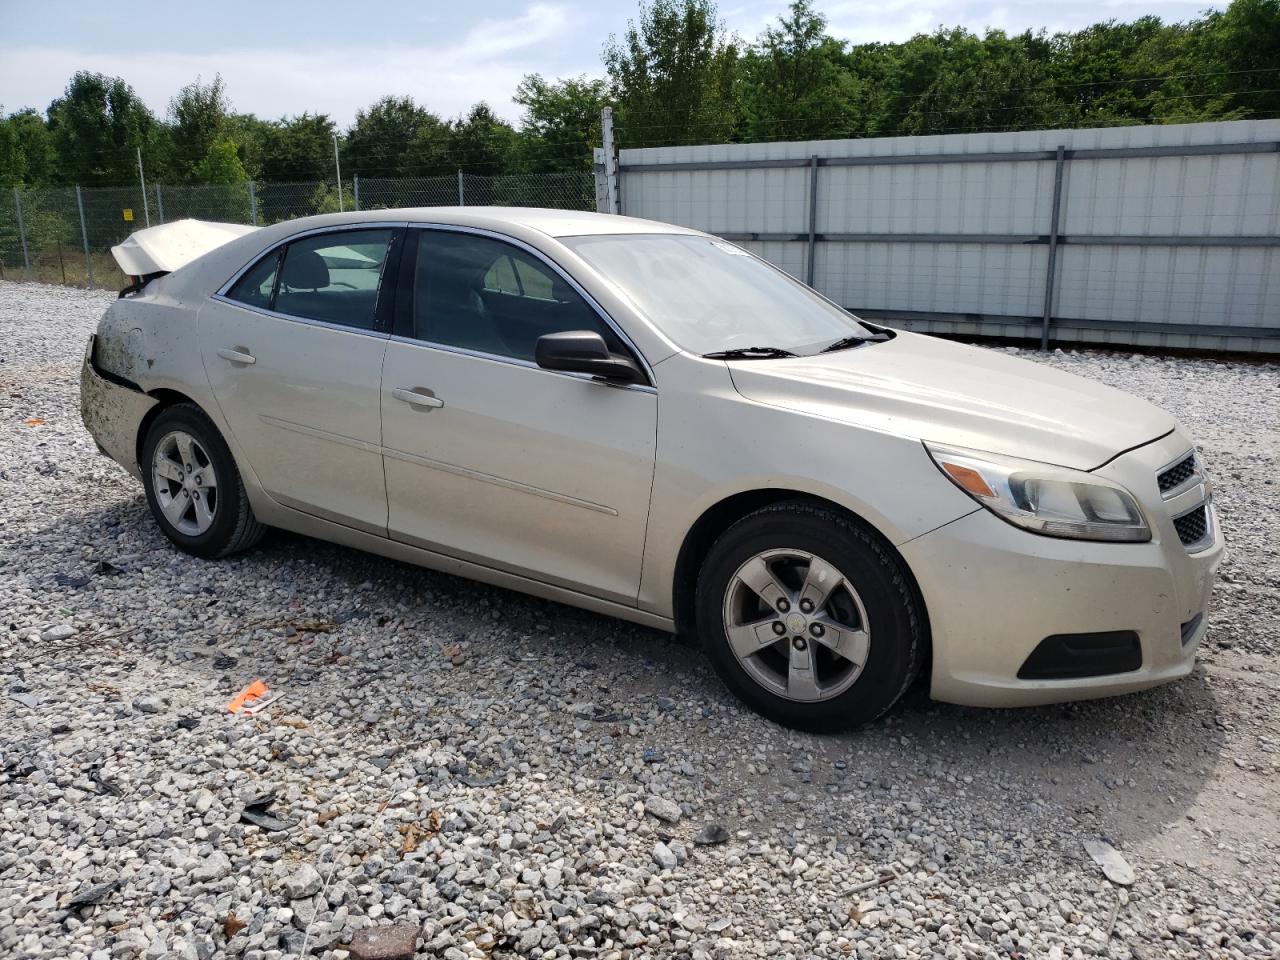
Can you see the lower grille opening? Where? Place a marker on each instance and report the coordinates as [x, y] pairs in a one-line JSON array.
[[1071, 656], [1192, 526], [1190, 627]]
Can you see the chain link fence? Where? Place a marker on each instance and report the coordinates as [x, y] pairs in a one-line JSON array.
[[65, 234]]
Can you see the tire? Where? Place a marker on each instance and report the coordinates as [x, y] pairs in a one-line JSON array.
[[226, 524], [830, 667]]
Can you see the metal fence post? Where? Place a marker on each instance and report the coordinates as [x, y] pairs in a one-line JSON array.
[[84, 236], [1052, 270], [142, 181], [813, 219], [462, 198], [612, 183], [159, 204], [22, 232], [355, 190], [253, 204]]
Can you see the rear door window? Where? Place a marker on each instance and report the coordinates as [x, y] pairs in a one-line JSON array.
[[257, 285], [334, 277]]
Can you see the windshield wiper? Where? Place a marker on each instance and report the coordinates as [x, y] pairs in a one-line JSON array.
[[846, 342], [750, 353]]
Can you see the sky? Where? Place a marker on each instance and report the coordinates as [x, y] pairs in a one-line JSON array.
[[279, 57]]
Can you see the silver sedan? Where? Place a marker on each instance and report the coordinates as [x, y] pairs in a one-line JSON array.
[[652, 423]]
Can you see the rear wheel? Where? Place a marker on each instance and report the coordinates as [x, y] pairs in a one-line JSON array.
[[809, 618], [193, 487]]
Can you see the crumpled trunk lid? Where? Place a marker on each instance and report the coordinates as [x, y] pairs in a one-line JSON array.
[[165, 248]]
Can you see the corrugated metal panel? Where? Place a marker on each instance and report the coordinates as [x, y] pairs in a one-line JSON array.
[[1222, 195]]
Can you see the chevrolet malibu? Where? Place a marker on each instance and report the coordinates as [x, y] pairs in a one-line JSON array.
[[651, 423]]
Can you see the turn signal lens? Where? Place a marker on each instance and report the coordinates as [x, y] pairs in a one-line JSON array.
[[1054, 501], [968, 480]]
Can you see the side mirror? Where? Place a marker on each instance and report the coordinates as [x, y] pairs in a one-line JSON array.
[[584, 351]]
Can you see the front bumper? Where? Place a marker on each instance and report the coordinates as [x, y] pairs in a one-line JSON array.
[[995, 591], [112, 413]]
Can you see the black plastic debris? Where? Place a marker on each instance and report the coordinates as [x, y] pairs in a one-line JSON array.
[[256, 812], [711, 834], [91, 894], [102, 783]]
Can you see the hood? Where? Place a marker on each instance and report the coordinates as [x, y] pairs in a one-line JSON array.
[[169, 246], [931, 389]]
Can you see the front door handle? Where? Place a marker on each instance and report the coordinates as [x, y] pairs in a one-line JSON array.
[[236, 356], [416, 399]]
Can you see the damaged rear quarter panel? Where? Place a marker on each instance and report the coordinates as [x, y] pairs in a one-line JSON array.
[[112, 413], [148, 342]]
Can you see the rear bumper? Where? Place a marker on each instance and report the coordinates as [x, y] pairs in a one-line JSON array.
[[994, 592], [112, 413]]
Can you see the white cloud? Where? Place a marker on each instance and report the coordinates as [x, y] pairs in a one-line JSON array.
[[486, 64]]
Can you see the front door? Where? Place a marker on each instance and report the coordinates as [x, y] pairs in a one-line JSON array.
[[294, 353], [488, 457]]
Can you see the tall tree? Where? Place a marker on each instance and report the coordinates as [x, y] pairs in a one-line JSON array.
[[379, 142], [561, 121], [298, 149], [251, 136], [221, 164], [672, 75], [96, 126], [199, 121], [796, 82], [26, 150], [480, 142]]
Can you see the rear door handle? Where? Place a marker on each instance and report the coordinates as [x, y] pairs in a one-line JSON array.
[[414, 398], [236, 356]]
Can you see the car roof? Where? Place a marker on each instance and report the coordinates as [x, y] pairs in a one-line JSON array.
[[552, 223]]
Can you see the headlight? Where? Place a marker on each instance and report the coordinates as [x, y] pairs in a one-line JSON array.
[[1054, 501]]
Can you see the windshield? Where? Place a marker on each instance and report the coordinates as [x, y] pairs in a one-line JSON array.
[[710, 296]]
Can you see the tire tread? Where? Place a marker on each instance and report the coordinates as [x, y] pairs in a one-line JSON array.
[[916, 634], [248, 530]]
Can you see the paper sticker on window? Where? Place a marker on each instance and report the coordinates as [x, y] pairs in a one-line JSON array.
[[729, 248]]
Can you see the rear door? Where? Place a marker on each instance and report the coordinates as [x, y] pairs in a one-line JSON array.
[[294, 350], [492, 459]]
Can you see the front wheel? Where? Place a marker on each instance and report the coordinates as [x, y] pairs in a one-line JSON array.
[[809, 618], [193, 487]]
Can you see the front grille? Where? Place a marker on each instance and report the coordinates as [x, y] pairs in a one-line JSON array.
[[1192, 526], [1178, 474]]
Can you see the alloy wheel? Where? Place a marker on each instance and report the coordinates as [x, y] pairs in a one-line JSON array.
[[796, 625], [185, 483]]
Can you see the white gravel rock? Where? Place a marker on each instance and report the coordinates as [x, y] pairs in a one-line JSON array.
[[515, 794]]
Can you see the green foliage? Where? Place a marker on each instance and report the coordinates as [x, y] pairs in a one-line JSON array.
[[325, 199], [199, 113], [299, 148], [394, 138], [481, 143], [561, 122], [795, 81], [675, 76], [96, 126], [221, 164], [26, 149]]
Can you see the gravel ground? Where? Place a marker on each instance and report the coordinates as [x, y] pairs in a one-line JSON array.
[[518, 778]]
